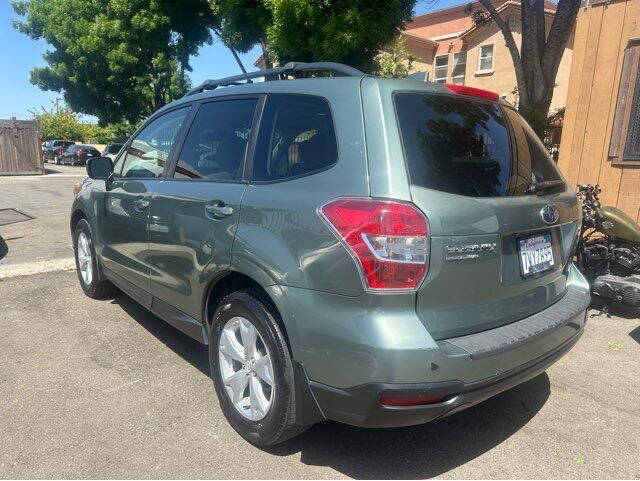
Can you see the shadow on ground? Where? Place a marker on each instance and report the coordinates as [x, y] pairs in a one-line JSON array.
[[187, 348], [635, 334], [613, 309], [414, 452], [420, 451], [4, 248]]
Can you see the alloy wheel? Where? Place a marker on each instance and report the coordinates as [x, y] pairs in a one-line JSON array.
[[85, 262], [246, 368]]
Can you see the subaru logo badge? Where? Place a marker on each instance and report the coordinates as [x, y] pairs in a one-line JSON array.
[[550, 214]]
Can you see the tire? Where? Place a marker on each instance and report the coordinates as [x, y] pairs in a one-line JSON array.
[[261, 427], [93, 284]]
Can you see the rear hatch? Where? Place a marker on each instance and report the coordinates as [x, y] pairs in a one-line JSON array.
[[502, 220]]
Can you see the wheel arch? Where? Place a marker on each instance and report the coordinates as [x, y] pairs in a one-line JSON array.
[[232, 281], [77, 214]]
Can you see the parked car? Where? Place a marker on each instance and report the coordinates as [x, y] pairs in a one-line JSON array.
[[54, 149], [78, 154], [377, 252], [111, 149]]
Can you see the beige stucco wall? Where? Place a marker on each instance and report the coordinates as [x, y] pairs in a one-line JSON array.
[[503, 78]]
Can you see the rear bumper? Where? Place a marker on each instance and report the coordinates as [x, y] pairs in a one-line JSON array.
[[360, 406], [477, 366]]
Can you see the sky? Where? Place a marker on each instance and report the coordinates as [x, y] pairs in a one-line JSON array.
[[19, 54]]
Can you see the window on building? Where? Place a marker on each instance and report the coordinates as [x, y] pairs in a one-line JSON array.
[[486, 58], [459, 65], [625, 134], [441, 68]]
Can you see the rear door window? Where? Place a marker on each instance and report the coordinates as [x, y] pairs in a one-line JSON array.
[[463, 146], [297, 138], [216, 144]]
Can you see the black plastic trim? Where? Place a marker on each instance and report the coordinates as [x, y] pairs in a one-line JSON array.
[[510, 336]]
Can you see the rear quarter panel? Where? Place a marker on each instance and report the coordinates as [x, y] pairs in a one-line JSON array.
[[280, 238]]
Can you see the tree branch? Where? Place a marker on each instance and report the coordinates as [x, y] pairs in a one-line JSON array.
[[563, 22], [511, 45], [233, 50]]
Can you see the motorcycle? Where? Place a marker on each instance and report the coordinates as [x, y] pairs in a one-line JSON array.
[[608, 250]]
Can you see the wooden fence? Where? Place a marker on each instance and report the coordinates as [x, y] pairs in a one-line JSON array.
[[20, 147]]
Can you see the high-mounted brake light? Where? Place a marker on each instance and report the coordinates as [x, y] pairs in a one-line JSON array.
[[473, 92], [389, 240]]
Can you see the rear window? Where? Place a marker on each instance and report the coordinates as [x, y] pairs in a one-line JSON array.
[[463, 147]]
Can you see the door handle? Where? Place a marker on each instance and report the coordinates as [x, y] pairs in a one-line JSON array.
[[218, 210], [140, 204]]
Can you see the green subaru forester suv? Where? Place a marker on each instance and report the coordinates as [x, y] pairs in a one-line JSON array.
[[372, 251]]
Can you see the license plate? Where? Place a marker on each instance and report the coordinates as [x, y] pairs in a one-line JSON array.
[[536, 254]]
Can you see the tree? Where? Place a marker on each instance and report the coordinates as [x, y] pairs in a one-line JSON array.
[[351, 32], [116, 59], [396, 61], [536, 62], [59, 122]]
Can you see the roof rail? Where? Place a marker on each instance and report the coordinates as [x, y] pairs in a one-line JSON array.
[[337, 69]]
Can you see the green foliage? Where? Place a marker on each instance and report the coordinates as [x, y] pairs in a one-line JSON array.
[[347, 31], [116, 59], [395, 62], [243, 23], [60, 122], [351, 32]]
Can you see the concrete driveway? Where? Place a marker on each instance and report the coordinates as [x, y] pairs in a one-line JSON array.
[[105, 389]]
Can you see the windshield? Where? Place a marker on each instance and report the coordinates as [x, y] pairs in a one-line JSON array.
[[471, 148]]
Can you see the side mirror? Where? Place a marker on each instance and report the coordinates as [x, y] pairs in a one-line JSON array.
[[99, 167]]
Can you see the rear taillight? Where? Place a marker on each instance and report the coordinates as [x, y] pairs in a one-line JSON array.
[[473, 92], [389, 240]]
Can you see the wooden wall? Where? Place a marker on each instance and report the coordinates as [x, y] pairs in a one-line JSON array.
[[602, 33], [20, 147]]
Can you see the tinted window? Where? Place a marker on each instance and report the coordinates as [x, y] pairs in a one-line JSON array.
[[113, 148], [463, 147], [149, 151], [217, 140], [296, 138], [533, 163]]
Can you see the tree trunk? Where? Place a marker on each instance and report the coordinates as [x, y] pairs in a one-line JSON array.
[[536, 63], [233, 51], [268, 63]]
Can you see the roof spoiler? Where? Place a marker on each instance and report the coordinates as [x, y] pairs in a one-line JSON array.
[[337, 69]]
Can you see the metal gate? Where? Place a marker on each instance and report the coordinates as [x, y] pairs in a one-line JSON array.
[[20, 147]]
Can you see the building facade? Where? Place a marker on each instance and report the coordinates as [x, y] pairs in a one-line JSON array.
[[601, 137], [450, 49]]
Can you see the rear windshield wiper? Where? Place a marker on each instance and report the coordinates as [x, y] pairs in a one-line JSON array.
[[541, 187]]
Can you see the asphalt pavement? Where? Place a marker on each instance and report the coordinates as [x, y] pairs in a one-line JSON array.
[[41, 237], [104, 389]]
